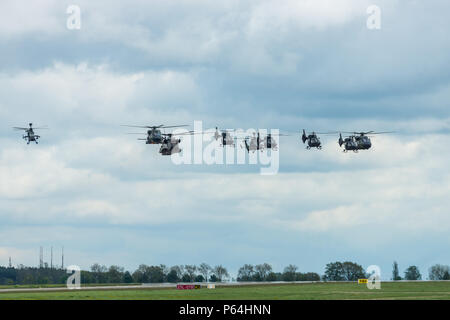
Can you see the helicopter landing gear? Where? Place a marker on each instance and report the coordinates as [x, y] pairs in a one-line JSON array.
[[308, 147]]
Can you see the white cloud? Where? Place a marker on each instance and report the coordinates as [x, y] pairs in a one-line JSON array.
[[38, 17], [281, 16], [96, 94]]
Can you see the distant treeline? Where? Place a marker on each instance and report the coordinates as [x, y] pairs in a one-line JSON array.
[[100, 274]]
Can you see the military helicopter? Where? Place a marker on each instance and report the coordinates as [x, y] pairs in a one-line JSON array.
[[154, 135], [313, 139], [255, 142], [227, 139], [170, 145], [358, 140], [29, 133]]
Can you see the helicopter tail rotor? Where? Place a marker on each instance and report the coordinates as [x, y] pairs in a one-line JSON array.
[[304, 138], [341, 141]]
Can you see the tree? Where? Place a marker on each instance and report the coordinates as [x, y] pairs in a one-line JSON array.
[[395, 273], [446, 275], [272, 277], [99, 273], [29, 279], [246, 273], [353, 271], [204, 270], [190, 271], [213, 278], [186, 278], [439, 272], [262, 271], [220, 272], [164, 270], [199, 278], [309, 276], [115, 274], [333, 272], [343, 271], [179, 270], [141, 275], [86, 277], [412, 273], [172, 276], [290, 273], [127, 278], [155, 274]]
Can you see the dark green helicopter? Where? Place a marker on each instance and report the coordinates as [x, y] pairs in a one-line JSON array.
[[313, 139], [154, 134], [358, 140]]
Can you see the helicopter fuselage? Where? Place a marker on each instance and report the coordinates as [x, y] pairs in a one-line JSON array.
[[363, 142], [154, 137], [30, 136], [270, 143], [169, 147], [350, 146], [227, 139], [312, 139], [314, 142]]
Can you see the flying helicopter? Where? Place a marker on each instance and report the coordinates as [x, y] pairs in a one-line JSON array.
[[170, 145], [255, 142], [313, 140], [29, 135], [227, 139], [154, 135], [358, 140]]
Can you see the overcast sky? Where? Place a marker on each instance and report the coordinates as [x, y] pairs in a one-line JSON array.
[[286, 65]]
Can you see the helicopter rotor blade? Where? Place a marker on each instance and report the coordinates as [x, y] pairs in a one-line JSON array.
[[279, 134], [161, 126], [327, 133], [181, 133], [367, 132], [177, 126], [383, 132], [131, 126]]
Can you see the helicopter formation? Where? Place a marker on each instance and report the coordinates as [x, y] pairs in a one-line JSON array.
[[354, 141]]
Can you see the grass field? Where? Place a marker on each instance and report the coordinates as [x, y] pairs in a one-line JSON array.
[[29, 286], [328, 291]]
